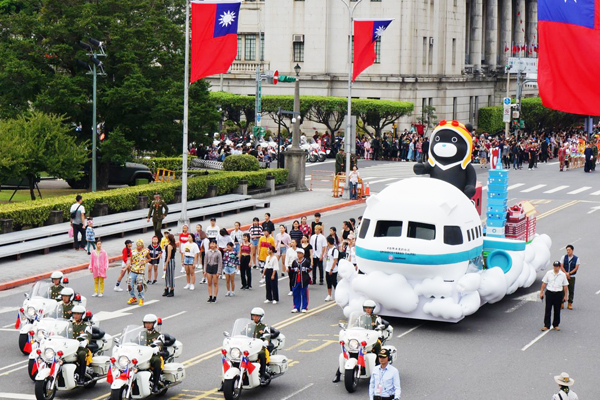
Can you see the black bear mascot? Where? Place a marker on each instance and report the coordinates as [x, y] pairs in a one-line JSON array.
[[449, 157]]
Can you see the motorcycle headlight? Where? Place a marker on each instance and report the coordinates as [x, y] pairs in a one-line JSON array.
[[235, 353], [41, 335], [353, 345], [123, 362], [30, 312], [49, 354]]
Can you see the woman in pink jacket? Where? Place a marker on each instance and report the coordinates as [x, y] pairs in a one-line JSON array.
[[98, 266]]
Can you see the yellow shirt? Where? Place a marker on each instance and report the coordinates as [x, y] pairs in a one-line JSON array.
[[263, 247], [139, 260]]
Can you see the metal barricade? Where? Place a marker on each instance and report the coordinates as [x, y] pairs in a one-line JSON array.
[[321, 179], [164, 175]]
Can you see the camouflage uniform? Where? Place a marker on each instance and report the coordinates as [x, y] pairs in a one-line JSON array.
[[155, 361], [81, 330], [55, 291]]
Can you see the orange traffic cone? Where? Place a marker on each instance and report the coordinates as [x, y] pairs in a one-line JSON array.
[[367, 190]]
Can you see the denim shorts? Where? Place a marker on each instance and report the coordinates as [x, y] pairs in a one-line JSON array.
[[254, 242], [229, 270], [188, 260]]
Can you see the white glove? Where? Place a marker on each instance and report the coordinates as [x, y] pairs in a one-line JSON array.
[[83, 343], [155, 350]]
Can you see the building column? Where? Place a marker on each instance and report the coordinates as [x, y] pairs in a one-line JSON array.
[[532, 25], [476, 33], [491, 40], [506, 30], [519, 24]]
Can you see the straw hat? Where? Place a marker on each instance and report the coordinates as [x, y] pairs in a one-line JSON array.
[[564, 379]]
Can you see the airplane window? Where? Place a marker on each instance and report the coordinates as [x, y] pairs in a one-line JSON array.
[[453, 235], [418, 230], [388, 229], [364, 227], [480, 233], [469, 235], [473, 233]]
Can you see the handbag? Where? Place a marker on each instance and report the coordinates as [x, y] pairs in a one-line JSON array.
[[74, 213], [71, 231]]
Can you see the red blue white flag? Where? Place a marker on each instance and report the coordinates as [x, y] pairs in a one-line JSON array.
[[214, 37], [366, 33], [569, 55]]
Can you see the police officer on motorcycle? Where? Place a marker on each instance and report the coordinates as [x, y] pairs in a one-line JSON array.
[[376, 321], [81, 332], [153, 338], [67, 295], [57, 286], [261, 329]]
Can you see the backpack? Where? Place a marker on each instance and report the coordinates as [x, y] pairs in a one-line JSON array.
[[74, 213]]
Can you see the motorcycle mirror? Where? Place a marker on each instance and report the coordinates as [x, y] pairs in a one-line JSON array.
[[226, 334], [26, 295], [341, 325], [116, 341]]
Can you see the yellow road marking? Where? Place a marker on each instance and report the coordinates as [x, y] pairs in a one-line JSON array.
[[320, 347], [300, 343], [557, 209]]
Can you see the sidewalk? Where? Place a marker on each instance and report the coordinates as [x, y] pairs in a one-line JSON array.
[[287, 206]]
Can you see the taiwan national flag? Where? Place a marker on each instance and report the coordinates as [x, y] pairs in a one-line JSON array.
[[247, 365], [110, 378], [366, 34], [361, 358], [214, 37], [569, 55], [226, 365]]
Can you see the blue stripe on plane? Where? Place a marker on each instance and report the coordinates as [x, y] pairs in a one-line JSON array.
[[418, 259]]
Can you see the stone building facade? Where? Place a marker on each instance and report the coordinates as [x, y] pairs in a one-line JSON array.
[[450, 54]]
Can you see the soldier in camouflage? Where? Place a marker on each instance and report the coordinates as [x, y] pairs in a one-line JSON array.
[[257, 315], [57, 286], [82, 332], [153, 339], [67, 295]]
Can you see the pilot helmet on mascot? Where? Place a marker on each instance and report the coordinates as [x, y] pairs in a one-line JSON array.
[[449, 158]]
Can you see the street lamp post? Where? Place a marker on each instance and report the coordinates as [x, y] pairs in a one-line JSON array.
[[348, 139], [295, 158], [281, 112], [296, 130]]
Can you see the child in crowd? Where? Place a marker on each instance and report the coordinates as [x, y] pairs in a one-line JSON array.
[[90, 235], [155, 256], [163, 245], [125, 264], [98, 267], [230, 265], [213, 264]]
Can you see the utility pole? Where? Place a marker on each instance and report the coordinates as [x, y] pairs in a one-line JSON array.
[[183, 219]]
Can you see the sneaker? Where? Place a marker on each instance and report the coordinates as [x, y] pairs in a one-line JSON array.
[[163, 276], [118, 288], [294, 311], [274, 301], [204, 280], [186, 286], [131, 300], [192, 287], [232, 294], [182, 270], [237, 272], [141, 302], [304, 310], [209, 300], [227, 294], [545, 329], [214, 299], [223, 276], [262, 280], [154, 282], [328, 298], [557, 328], [95, 294], [149, 282], [290, 293], [267, 301], [100, 294]]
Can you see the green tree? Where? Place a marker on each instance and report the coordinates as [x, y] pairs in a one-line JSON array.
[[329, 111], [40, 142], [235, 108], [376, 115]]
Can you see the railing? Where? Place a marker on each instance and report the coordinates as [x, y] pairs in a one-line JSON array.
[[249, 66]]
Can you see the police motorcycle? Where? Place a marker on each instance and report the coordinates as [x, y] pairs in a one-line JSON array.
[[357, 340], [52, 325], [56, 364], [38, 302], [130, 375], [240, 358]]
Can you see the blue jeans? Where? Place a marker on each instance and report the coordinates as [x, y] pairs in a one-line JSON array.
[[300, 296], [353, 187], [134, 282]]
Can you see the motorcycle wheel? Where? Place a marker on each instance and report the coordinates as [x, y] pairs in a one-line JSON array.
[[30, 365], [312, 158], [118, 394], [230, 389], [322, 157], [44, 389], [351, 380], [22, 341]]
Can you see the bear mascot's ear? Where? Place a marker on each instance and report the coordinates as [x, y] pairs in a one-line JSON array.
[[469, 128]]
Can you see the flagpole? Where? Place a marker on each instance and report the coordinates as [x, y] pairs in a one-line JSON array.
[[183, 219], [348, 138]]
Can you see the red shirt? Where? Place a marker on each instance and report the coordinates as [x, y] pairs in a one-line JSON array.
[[126, 254], [305, 230]]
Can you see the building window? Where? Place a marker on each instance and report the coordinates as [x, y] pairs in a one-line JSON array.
[[298, 51], [238, 57], [250, 48], [476, 109], [430, 51], [453, 51], [378, 50], [262, 47], [471, 109], [424, 51], [454, 108]]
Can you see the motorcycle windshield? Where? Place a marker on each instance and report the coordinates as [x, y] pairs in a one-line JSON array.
[[134, 334], [359, 320], [56, 312], [40, 289], [243, 327], [56, 327]]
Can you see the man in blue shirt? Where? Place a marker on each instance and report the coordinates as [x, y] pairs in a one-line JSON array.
[[569, 266], [385, 379]]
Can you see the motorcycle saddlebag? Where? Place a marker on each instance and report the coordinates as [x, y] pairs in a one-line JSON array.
[[174, 372], [278, 364]]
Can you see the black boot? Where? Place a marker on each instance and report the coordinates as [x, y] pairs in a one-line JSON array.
[[338, 375], [81, 374], [166, 293], [171, 293]]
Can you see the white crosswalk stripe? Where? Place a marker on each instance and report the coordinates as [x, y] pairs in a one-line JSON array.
[[583, 189], [595, 193], [382, 180], [557, 189], [516, 185], [531, 189]]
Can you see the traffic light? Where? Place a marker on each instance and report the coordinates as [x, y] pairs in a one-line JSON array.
[[285, 78], [272, 77]]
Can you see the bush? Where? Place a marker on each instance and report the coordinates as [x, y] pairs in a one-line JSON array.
[[490, 119], [170, 163], [35, 213], [242, 162]]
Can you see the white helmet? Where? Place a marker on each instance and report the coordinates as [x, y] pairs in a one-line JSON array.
[[369, 304], [56, 275], [257, 311], [68, 292], [78, 309], [150, 318]]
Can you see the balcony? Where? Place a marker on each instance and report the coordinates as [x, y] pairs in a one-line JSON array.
[[245, 67]]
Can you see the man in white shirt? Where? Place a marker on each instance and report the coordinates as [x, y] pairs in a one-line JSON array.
[[331, 267], [77, 211], [319, 246], [555, 285], [213, 230]]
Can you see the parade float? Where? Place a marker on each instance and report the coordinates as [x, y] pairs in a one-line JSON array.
[[423, 251]]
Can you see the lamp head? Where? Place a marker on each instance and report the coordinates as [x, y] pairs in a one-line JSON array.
[[297, 68]]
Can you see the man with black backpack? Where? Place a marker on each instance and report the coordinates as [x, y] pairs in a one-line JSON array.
[[77, 222]]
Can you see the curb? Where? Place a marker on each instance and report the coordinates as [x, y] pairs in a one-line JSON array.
[[46, 275]]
